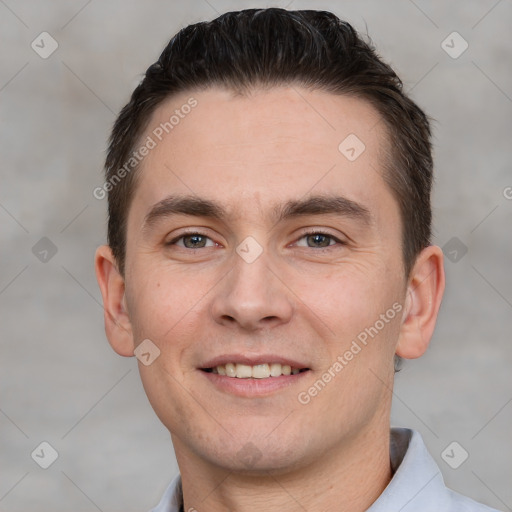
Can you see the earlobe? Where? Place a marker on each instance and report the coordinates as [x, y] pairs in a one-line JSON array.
[[117, 322], [423, 299]]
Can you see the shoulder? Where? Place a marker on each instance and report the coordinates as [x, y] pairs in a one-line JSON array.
[[458, 503], [172, 499], [417, 484]]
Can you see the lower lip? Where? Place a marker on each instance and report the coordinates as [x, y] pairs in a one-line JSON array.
[[253, 387]]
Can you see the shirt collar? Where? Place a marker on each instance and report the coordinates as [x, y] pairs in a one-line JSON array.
[[416, 486]]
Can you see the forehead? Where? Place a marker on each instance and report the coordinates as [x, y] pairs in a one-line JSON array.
[[249, 151]]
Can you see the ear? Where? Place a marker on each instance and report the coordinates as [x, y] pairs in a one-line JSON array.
[[424, 294], [117, 322]]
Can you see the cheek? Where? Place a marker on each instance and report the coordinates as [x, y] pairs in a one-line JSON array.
[[354, 310], [162, 301], [344, 298]]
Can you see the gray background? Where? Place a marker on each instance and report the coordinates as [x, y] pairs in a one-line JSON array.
[[60, 381]]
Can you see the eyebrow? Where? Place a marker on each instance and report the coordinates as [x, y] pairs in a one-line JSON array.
[[312, 205]]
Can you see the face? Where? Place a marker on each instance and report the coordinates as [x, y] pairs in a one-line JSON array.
[[259, 240]]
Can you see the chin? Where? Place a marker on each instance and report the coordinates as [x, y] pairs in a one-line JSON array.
[[251, 461], [259, 456]]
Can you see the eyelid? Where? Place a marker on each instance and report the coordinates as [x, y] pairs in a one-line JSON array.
[[190, 232], [324, 232]]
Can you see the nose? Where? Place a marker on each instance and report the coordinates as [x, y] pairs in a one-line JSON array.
[[252, 296]]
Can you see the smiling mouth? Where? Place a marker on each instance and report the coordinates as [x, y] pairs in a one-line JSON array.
[[257, 371]]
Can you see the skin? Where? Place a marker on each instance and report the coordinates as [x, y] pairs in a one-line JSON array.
[[297, 299]]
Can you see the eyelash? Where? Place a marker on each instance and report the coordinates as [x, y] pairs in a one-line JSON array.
[[303, 235], [323, 233], [184, 235]]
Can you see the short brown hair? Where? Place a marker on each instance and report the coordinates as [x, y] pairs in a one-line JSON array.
[[271, 47]]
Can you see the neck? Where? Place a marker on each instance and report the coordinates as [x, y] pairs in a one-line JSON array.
[[349, 477]]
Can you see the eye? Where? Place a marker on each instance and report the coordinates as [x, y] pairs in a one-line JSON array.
[[319, 240], [192, 241]]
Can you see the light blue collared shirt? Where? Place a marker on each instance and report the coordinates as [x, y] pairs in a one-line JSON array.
[[417, 484]]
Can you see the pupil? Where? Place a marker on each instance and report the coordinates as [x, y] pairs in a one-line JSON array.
[[194, 241], [319, 240]]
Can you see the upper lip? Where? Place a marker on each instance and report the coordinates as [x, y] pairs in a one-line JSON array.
[[253, 360]]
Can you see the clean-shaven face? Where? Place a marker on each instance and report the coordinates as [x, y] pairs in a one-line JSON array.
[[258, 250]]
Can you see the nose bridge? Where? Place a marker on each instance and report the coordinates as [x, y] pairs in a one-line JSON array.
[[252, 295]]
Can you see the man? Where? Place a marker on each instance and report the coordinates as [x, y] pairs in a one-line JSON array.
[[269, 258]]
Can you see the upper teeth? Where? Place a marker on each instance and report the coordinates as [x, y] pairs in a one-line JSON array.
[[258, 371]]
